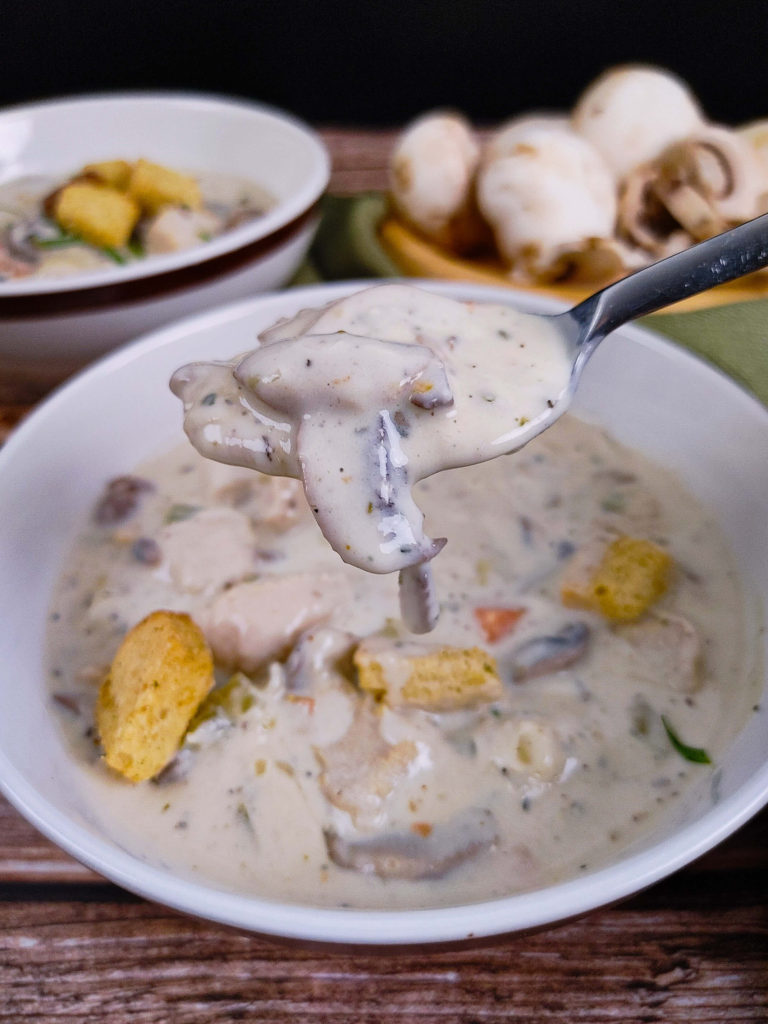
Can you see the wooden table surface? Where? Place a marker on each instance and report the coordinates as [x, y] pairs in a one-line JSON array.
[[73, 947]]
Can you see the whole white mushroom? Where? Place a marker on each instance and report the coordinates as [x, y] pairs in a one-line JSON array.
[[550, 195], [508, 137], [630, 114], [431, 172]]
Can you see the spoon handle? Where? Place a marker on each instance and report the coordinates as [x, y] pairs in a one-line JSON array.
[[722, 258]]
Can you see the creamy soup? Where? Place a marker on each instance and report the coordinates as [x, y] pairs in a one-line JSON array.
[[367, 396], [34, 245], [340, 762]]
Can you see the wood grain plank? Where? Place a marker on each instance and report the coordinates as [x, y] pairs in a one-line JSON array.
[[136, 963]]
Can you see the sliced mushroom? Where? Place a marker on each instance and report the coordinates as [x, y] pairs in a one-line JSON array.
[[709, 181], [414, 855], [697, 187], [431, 181], [597, 259], [643, 220], [630, 114], [546, 654], [120, 499], [552, 194]]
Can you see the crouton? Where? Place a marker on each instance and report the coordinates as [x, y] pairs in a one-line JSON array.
[[622, 584], [154, 186], [98, 214], [162, 671], [115, 173], [435, 679]]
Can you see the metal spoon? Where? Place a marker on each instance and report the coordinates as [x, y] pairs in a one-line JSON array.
[[722, 258]]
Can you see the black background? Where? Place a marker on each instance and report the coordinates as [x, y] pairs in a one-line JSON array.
[[370, 63]]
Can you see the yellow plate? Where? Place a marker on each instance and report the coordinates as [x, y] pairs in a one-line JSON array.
[[419, 258]]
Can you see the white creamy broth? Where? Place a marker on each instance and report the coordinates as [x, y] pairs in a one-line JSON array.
[[306, 788], [367, 396], [33, 245]]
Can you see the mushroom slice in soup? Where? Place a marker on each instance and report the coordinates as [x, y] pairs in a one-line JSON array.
[[546, 654], [421, 853]]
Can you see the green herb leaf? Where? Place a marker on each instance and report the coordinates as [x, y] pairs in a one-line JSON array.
[[135, 248], [614, 502], [114, 254], [695, 754], [59, 242], [178, 513], [243, 816]]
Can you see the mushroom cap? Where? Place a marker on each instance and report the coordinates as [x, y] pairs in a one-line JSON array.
[[507, 138], [630, 114], [431, 172], [553, 191]]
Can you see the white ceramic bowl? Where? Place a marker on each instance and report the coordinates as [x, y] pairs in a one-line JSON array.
[[51, 326], [649, 393]]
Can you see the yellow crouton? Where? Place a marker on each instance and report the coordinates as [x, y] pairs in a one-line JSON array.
[[631, 575], [115, 173], [154, 186], [98, 214], [161, 672], [442, 679]]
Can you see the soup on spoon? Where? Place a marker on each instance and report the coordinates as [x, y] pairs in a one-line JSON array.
[[365, 397]]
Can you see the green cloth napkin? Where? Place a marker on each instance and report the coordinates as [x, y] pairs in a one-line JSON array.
[[733, 337]]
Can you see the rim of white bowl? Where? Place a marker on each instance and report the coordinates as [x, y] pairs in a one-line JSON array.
[[281, 215], [518, 912]]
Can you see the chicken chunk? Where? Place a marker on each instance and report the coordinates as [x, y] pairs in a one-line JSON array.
[[663, 650], [361, 769], [258, 620], [175, 228], [208, 550]]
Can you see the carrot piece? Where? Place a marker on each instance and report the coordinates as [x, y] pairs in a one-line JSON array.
[[421, 828], [497, 622], [307, 702]]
